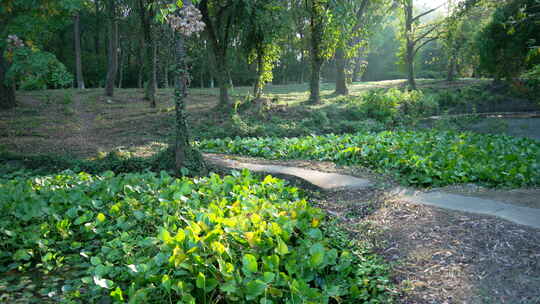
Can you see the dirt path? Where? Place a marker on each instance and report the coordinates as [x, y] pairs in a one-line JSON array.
[[84, 137], [443, 256]]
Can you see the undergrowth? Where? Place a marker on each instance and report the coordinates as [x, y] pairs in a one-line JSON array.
[[148, 238], [432, 158]]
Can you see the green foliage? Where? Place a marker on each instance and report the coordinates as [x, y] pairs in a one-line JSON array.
[[505, 42], [147, 238], [418, 158], [38, 70], [394, 105]]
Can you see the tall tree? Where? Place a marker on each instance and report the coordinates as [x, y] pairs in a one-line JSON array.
[[147, 14], [265, 22], [353, 26], [318, 11], [219, 17], [112, 52], [185, 23], [416, 35], [77, 40]]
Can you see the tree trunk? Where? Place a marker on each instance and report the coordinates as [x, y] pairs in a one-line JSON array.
[[98, 26], [78, 62], [121, 67], [113, 49], [452, 65], [315, 83], [140, 62], [316, 28], [224, 84], [258, 86], [185, 155], [409, 56], [166, 72], [7, 91], [410, 71], [341, 78], [150, 91], [150, 53], [219, 45]]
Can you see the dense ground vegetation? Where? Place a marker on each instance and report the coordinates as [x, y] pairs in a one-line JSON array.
[[149, 238], [418, 158]]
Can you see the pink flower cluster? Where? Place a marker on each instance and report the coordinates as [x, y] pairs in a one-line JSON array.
[[15, 41], [188, 22]]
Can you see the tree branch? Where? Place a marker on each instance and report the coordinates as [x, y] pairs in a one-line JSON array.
[[426, 33], [424, 43], [414, 19]]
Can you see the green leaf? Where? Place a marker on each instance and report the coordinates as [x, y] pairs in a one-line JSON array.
[[249, 264], [317, 255], [282, 248], [229, 287], [95, 260], [21, 255], [254, 289], [269, 277], [201, 281]]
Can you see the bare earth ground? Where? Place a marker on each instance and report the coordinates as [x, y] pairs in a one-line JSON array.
[[439, 256], [443, 256]]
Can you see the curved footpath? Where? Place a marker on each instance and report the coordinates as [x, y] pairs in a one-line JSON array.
[[333, 181]]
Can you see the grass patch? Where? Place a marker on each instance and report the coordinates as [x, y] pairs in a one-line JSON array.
[[433, 158], [148, 238]]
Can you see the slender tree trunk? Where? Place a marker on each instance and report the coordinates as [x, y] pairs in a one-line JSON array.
[[409, 56], [452, 66], [98, 26], [341, 78], [140, 62], [78, 62], [258, 86], [166, 72], [219, 45], [410, 70], [7, 91], [150, 92], [113, 50], [121, 68], [150, 53], [316, 28], [224, 84], [315, 83], [185, 155]]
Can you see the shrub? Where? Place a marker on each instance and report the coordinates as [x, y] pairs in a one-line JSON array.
[[144, 238], [394, 105], [38, 70], [381, 105]]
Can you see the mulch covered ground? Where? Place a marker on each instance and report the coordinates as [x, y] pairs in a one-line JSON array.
[[442, 256]]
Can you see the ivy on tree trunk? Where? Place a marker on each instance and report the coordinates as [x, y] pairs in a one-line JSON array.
[[185, 155], [341, 78]]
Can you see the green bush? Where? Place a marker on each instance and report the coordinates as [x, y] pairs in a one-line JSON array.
[[144, 238], [381, 105], [38, 70], [394, 105], [418, 158]]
